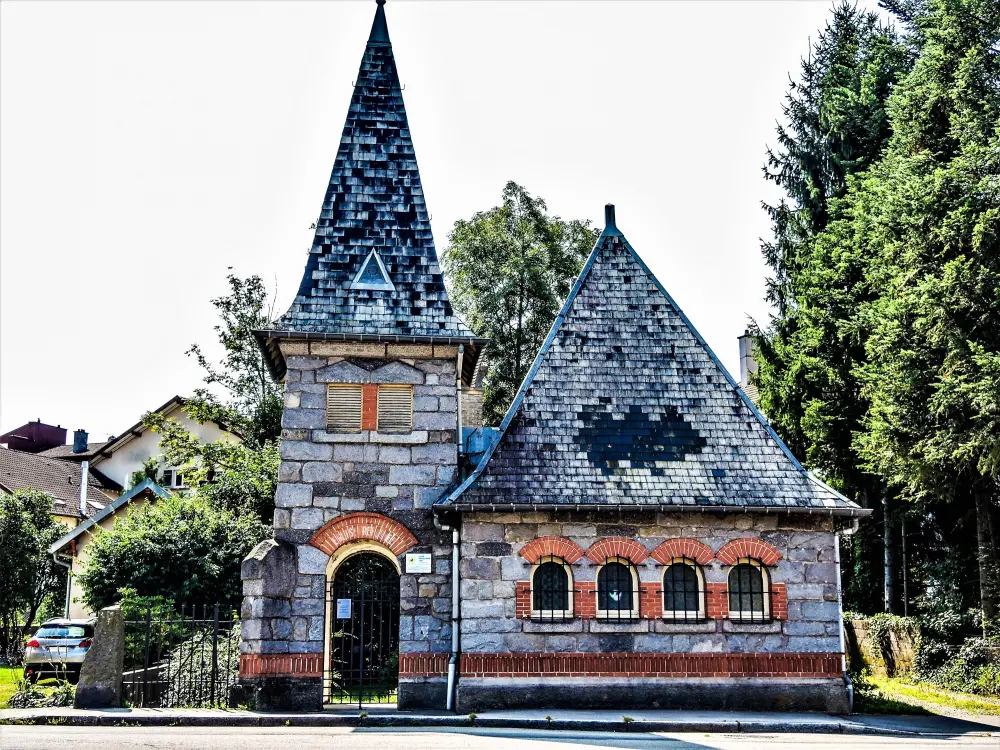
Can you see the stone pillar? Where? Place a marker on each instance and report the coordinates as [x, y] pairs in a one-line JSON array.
[[100, 684]]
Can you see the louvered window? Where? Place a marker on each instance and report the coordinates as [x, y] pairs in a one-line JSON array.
[[395, 408], [343, 407]]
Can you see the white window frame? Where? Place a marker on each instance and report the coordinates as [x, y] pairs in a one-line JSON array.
[[749, 616], [552, 614], [684, 614], [618, 614]]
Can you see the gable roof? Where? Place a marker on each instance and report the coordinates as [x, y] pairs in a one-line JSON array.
[[374, 217], [627, 406], [66, 451], [146, 487], [58, 479]]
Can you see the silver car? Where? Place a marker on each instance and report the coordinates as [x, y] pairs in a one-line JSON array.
[[57, 649]]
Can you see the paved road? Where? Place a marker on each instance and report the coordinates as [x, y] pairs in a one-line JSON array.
[[301, 738]]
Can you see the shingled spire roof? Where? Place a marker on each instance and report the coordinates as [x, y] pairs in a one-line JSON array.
[[372, 271], [626, 405]]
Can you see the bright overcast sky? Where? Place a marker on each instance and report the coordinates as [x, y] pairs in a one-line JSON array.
[[147, 147]]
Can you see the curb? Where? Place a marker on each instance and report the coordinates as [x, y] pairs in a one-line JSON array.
[[397, 721]]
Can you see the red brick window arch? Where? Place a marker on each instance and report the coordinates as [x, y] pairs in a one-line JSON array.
[[363, 527], [555, 546]]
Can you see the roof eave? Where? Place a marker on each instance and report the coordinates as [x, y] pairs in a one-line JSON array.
[[854, 512]]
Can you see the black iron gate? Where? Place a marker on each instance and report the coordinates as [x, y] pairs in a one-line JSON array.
[[180, 658], [363, 602]]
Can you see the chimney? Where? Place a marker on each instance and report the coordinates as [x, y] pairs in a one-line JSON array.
[[84, 480], [748, 366], [80, 441]]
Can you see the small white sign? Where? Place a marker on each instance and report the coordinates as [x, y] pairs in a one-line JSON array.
[[343, 609], [418, 562]]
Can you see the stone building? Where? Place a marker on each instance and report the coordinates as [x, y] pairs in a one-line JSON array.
[[633, 534]]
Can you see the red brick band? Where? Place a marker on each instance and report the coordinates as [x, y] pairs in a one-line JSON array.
[[281, 665], [625, 665], [731, 552], [369, 407], [363, 527], [557, 546]]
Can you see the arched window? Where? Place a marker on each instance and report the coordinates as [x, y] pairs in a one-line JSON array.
[[683, 590], [551, 589], [617, 590], [749, 592]]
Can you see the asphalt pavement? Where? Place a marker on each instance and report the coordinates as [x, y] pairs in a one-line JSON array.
[[348, 738]]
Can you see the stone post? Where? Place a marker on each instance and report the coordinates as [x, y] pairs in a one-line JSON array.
[[100, 684]]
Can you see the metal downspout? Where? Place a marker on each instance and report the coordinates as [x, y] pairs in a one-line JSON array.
[[458, 397], [455, 621], [840, 613]]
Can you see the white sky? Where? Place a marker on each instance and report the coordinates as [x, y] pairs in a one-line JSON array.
[[147, 147]]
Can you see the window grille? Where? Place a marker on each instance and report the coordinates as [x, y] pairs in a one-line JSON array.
[[749, 592], [551, 590], [343, 407], [684, 591], [618, 590], [395, 408]]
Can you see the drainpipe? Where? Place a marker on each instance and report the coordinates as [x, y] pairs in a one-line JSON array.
[[458, 396], [455, 613], [840, 613], [69, 578]]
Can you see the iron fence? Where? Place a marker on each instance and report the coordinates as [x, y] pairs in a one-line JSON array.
[[684, 591], [181, 658]]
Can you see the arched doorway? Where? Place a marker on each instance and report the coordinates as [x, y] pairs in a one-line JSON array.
[[363, 661]]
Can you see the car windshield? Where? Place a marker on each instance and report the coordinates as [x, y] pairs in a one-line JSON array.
[[61, 631]]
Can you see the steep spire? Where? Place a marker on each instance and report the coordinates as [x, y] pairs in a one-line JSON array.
[[372, 269], [380, 30]]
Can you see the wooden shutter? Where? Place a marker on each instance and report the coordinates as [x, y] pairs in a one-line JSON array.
[[395, 408], [343, 407]]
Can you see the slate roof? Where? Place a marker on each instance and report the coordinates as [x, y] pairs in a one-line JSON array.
[[626, 405], [56, 478], [66, 451], [374, 202]]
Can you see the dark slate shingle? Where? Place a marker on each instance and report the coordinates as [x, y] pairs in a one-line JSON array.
[[374, 201], [626, 405]]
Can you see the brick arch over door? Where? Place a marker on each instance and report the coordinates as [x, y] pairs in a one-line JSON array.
[[363, 527], [557, 546], [751, 547], [616, 546], [692, 549]]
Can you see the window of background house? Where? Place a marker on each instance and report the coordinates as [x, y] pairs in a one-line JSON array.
[[749, 592], [551, 590], [343, 407], [683, 591], [617, 590], [395, 408], [173, 479]]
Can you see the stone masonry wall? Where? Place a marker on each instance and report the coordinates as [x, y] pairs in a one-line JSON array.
[[491, 569], [325, 475]]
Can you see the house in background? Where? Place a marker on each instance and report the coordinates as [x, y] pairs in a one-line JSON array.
[[73, 548], [118, 458], [33, 437], [58, 479]]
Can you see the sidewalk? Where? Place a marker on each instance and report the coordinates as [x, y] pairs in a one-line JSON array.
[[594, 721]]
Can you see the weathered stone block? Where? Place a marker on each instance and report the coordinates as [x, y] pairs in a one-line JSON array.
[[446, 454], [307, 419], [480, 567], [422, 475], [423, 420], [100, 683], [302, 450], [307, 518], [311, 560], [293, 495], [321, 471]]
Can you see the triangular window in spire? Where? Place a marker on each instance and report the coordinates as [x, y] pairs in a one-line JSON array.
[[373, 275]]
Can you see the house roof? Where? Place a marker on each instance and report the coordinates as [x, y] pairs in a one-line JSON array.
[[626, 405], [373, 271], [58, 479], [146, 487], [66, 451]]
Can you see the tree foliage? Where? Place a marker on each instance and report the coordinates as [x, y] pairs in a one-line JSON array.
[[509, 269], [183, 549], [27, 573], [880, 366], [238, 475]]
